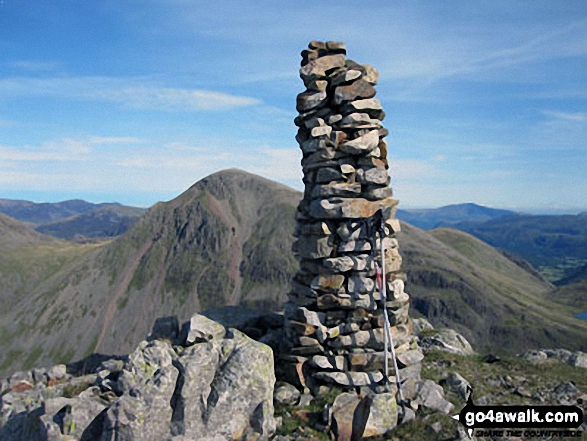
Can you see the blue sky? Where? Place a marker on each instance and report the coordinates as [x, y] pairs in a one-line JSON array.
[[134, 101]]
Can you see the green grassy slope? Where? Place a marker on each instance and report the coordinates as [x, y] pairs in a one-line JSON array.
[[461, 282], [556, 245]]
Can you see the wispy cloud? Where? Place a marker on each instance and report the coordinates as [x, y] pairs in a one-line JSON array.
[[7, 123], [129, 92], [579, 117], [34, 65], [107, 140]]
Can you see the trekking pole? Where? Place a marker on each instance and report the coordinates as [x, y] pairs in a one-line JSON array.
[[388, 340]]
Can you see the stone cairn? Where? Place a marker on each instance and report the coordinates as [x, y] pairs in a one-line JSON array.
[[334, 318]]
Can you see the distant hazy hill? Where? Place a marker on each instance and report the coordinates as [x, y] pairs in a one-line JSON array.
[[107, 220], [74, 218], [227, 241], [430, 218], [40, 213], [555, 244]]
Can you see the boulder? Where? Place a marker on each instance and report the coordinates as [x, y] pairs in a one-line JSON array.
[[431, 395], [446, 340], [200, 329]]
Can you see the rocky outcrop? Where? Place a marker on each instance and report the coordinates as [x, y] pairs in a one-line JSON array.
[[178, 384], [539, 356]]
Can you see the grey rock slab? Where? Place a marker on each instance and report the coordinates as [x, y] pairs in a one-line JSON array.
[[327, 174], [320, 66], [350, 379], [343, 189], [374, 175], [313, 247], [286, 393], [421, 324], [243, 389], [200, 329], [361, 145], [346, 208], [309, 100], [57, 372], [459, 385], [446, 340], [431, 395], [382, 415], [357, 90], [371, 74]]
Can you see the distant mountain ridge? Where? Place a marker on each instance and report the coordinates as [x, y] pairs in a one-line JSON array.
[[73, 219], [227, 241], [429, 218]]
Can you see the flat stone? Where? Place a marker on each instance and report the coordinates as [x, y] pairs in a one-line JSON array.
[[373, 175], [447, 340], [329, 301], [359, 120], [362, 144], [317, 85], [347, 263], [312, 145], [302, 329], [335, 46], [315, 44], [357, 90], [338, 208], [347, 168], [346, 76], [431, 395], [309, 100], [286, 394], [327, 282], [354, 246], [327, 174], [371, 74], [350, 378], [319, 67], [313, 247], [332, 362], [360, 285], [376, 193], [409, 357], [320, 131], [305, 315], [335, 188]]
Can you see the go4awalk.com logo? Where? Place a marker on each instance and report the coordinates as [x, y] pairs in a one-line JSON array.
[[518, 421]]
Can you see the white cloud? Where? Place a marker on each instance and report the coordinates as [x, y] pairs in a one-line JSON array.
[[107, 140], [579, 117], [7, 123], [34, 65], [129, 92]]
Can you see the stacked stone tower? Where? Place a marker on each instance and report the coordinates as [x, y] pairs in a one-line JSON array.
[[335, 321]]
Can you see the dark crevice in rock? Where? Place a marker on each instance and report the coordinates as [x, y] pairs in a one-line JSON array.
[[177, 403]]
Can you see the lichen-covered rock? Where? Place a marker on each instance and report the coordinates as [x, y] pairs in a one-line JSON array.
[[200, 329], [446, 340], [218, 388]]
